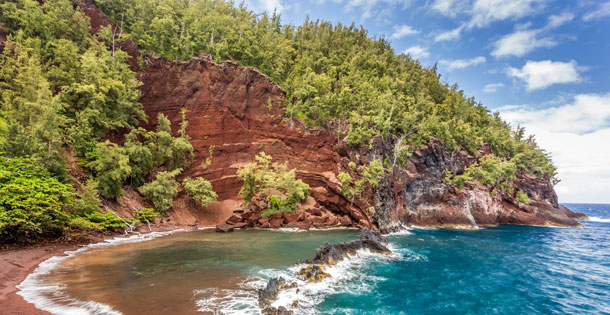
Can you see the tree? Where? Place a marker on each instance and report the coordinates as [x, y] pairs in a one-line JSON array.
[[273, 181], [200, 189], [162, 190], [111, 167], [29, 110]]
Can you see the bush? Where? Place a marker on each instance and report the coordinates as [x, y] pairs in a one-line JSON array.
[[489, 171], [146, 215], [111, 166], [200, 189], [32, 201], [522, 197], [162, 190], [273, 181]]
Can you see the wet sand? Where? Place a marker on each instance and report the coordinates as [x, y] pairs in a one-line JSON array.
[[15, 265]]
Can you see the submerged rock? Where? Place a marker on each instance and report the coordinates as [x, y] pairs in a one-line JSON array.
[[313, 273]]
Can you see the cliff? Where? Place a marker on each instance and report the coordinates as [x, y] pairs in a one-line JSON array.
[[234, 112], [239, 112]]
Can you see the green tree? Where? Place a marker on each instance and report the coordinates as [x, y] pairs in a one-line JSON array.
[[29, 110], [200, 189], [162, 191], [111, 166]]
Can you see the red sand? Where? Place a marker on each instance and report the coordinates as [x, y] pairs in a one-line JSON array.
[[15, 265]]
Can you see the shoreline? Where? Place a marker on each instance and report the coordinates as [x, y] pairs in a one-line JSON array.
[[17, 264]]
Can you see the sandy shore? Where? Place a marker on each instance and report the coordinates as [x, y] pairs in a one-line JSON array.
[[15, 265]]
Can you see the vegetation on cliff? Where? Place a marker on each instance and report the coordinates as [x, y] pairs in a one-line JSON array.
[[273, 184], [332, 71], [65, 92], [62, 90]]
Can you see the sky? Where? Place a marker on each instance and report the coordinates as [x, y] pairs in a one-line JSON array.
[[543, 64]]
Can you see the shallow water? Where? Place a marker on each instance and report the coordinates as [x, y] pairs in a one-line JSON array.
[[501, 270]]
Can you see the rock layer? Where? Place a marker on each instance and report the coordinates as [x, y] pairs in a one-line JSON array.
[[235, 112]]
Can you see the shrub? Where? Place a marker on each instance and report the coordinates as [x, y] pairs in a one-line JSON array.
[[146, 215], [200, 189], [111, 166], [32, 201], [162, 190], [522, 197], [489, 171], [274, 181]]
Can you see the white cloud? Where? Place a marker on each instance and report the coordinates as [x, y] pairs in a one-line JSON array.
[[462, 63], [576, 134], [602, 11], [417, 52], [520, 43], [486, 11], [492, 87], [445, 7], [449, 35], [370, 8], [483, 12], [558, 20], [266, 5], [542, 74], [401, 31]]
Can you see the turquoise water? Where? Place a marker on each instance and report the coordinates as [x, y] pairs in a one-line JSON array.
[[500, 270]]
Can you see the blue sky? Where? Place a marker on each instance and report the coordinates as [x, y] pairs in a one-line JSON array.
[[543, 64]]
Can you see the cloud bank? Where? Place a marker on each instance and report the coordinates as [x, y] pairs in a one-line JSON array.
[[577, 134]]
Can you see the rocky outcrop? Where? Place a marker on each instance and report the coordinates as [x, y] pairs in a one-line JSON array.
[[330, 254], [234, 112], [314, 271]]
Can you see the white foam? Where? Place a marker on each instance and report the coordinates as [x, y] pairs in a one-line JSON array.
[[227, 301], [345, 277], [598, 219], [52, 299], [404, 230]]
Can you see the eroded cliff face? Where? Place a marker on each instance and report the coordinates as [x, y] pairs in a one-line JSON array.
[[239, 112], [235, 112]]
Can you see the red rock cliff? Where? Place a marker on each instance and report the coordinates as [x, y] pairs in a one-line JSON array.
[[239, 112]]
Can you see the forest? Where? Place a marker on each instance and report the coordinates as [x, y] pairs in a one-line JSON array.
[[63, 90]]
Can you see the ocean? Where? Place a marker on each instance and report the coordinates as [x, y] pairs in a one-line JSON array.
[[500, 270]]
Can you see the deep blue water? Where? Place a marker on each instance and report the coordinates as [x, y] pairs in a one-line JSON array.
[[500, 270]]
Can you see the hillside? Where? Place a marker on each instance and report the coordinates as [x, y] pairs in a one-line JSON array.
[[105, 130]]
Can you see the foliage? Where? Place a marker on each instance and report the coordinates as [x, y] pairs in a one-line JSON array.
[[162, 190], [274, 181], [32, 200], [29, 109], [490, 171], [523, 197], [146, 215], [200, 189], [89, 198], [349, 186], [111, 165], [106, 220], [330, 71], [373, 172]]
